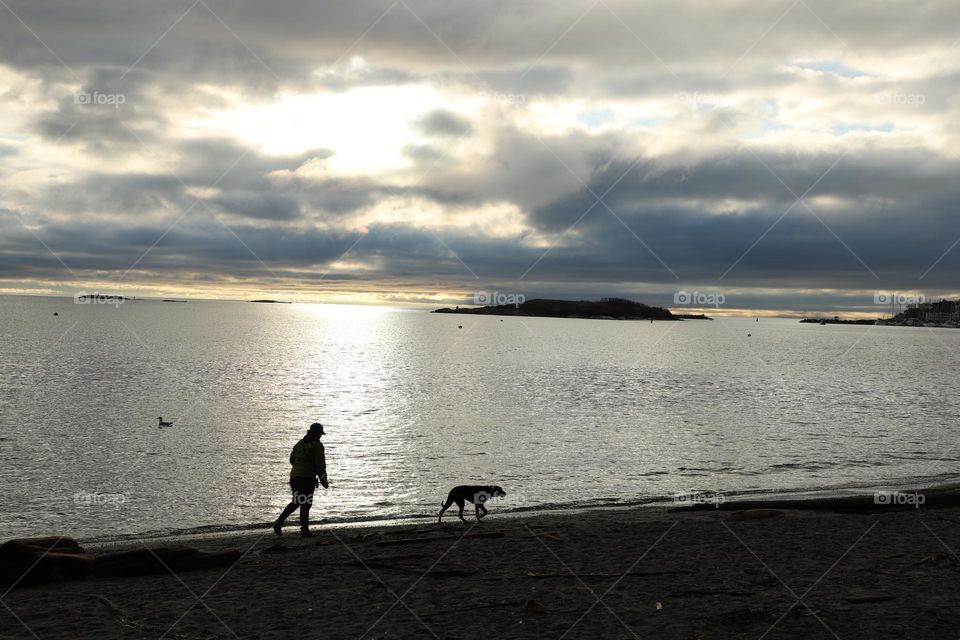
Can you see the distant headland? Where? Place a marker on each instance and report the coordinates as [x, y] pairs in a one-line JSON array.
[[943, 314], [603, 309], [270, 302]]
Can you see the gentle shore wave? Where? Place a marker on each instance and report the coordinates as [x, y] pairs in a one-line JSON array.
[[937, 491]]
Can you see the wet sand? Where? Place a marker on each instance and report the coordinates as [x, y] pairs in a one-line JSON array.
[[771, 572]]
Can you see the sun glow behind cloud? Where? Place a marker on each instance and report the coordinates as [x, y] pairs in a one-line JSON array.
[[366, 129]]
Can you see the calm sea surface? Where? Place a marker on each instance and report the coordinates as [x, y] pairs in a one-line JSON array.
[[559, 412]]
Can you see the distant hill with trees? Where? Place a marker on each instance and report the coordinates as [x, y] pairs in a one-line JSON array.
[[603, 309]]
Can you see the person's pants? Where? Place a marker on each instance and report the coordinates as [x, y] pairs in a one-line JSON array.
[[303, 489]]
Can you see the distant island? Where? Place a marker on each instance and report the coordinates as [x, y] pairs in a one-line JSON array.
[[603, 309], [837, 320], [270, 302]]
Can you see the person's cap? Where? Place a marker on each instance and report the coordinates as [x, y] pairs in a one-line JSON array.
[[316, 427]]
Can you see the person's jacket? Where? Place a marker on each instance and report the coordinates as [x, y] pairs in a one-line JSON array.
[[308, 461]]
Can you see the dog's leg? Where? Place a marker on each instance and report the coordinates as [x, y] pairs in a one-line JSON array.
[[443, 507], [483, 511], [460, 504]]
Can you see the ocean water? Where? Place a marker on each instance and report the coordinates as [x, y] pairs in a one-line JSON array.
[[558, 412]]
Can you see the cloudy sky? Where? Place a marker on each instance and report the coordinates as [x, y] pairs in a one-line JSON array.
[[788, 155]]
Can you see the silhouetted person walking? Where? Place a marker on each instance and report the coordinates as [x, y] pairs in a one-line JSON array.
[[308, 469]]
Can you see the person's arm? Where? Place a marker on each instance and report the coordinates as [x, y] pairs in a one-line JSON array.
[[320, 464]]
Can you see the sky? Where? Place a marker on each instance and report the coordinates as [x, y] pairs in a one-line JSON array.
[[778, 157]]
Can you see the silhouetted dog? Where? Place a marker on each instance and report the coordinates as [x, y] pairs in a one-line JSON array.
[[474, 493]]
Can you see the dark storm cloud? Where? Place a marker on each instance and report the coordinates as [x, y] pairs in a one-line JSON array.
[[889, 214], [696, 246], [240, 172], [878, 181], [875, 200], [525, 170], [110, 112], [292, 37], [258, 205], [444, 123], [207, 160]]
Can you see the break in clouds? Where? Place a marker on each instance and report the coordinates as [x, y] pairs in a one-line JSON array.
[[791, 155]]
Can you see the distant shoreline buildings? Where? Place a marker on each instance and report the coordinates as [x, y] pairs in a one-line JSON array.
[[943, 313]]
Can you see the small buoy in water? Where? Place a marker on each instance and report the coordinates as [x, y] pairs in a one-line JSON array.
[[55, 313], [459, 326], [749, 335]]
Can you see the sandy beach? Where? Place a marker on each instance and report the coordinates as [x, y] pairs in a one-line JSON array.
[[717, 573]]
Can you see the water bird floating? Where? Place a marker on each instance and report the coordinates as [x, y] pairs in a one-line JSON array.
[[163, 424]]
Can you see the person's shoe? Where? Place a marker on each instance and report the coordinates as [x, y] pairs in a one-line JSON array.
[[306, 533], [277, 529]]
